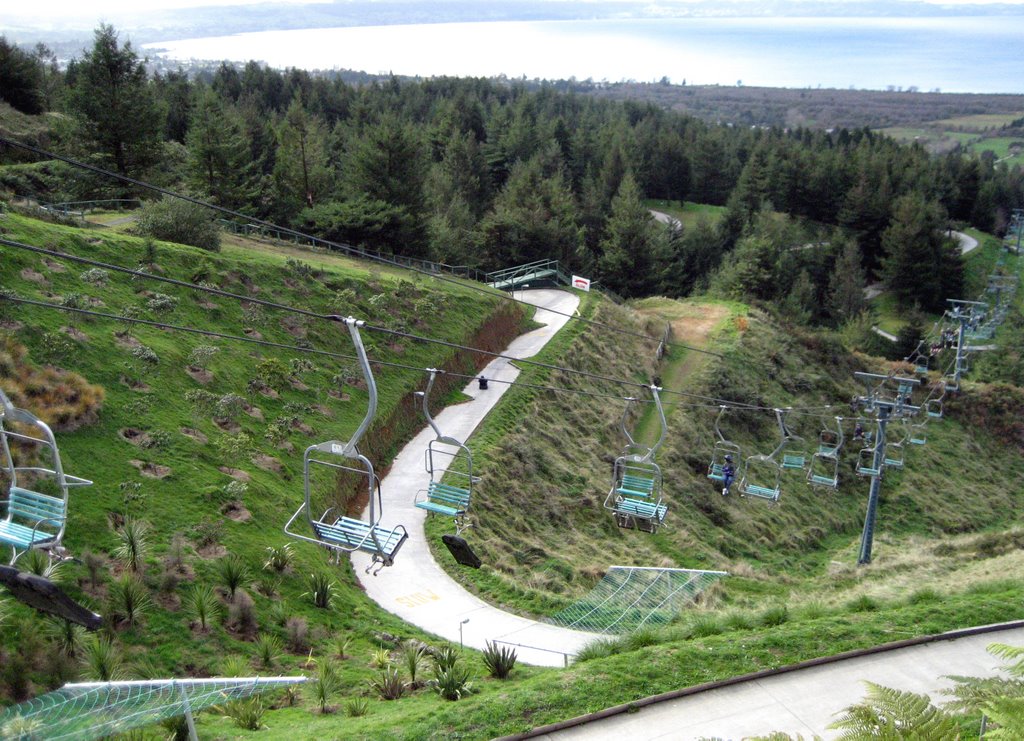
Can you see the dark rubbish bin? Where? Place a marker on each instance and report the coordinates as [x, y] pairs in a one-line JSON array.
[[483, 383]]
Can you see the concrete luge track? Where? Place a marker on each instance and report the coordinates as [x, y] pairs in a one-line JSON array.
[[416, 588]]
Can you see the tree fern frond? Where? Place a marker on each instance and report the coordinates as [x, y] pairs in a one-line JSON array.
[[1008, 715], [1010, 653], [888, 714], [971, 693]]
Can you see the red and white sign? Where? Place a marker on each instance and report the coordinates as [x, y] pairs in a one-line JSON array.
[[582, 283]]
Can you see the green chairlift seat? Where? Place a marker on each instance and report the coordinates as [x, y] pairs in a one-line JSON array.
[[445, 456], [339, 533], [32, 519], [635, 496]]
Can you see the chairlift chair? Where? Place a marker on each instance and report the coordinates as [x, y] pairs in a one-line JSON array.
[[338, 532], [762, 474], [830, 441], [823, 471], [798, 458], [33, 520], [445, 454], [866, 463], [933, 408], [721, 449], [635, 496]]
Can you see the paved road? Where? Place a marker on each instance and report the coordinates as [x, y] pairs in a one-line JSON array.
[[804, 701], [416, 588]]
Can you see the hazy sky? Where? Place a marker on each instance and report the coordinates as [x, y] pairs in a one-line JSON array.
[[102, 8]]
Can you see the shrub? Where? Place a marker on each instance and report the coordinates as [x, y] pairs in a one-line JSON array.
[[705, 625], [102, 661], [341, 645], [863, 603], [775, 615], [325, 685], [161, 303], [129, 599], [242, 613], [203, 605], [134, 544], [599, 649], [452, 683], [321, 590], [232, 572], [201, 355], [446, 656], [388, 684], [297, 631], [235, 666], [247, 714], [499, 661], [356, 707], [95, 276], [268, 650], [279, 558], [39, 563], [94, 565], [412, 653], [174, 220], [380, 658], [68, 636]]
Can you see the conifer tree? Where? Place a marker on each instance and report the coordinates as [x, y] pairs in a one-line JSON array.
[[113, 107], [626, 264], [846, 288]]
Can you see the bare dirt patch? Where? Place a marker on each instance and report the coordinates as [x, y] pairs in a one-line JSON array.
[[200, 375], [152, 470], [195, 434], [340, 395], [294, 326], [126, 340], [254, 412], [268, 463], [236, 473], [227, 425], [75, 333], [134, 436], [35, 277], [300, 426], [249, 332], [53, 266], [236, 511]]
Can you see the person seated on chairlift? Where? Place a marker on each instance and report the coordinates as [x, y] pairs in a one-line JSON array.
[[483, 383], [728, 474], [858, 432]]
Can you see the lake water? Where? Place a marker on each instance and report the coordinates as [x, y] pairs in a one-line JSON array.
[[952, 54]]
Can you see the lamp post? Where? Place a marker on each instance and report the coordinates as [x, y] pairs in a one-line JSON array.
[[460, 631]]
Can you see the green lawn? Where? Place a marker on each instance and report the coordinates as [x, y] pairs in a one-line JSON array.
[[687, 212]]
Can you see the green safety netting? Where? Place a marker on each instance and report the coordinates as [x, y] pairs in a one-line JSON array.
[[630, 597], [93, 710]]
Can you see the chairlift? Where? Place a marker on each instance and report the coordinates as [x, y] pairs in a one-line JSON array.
[[933, 408], [338, 532], [824, 465], [762, 474], [635, 496], [445, 455], [830, 441], [798, 458], [36, 505], [916, 434], [723, 448], [866, 463]]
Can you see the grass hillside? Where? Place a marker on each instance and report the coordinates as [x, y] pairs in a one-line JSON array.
[[546, 539], [204, 445]]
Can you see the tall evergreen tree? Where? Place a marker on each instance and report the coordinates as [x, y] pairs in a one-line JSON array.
[[630, 236], [846, 287], [218, 158], [301, 169], [113, 106], [918, 253], [21, 79]]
